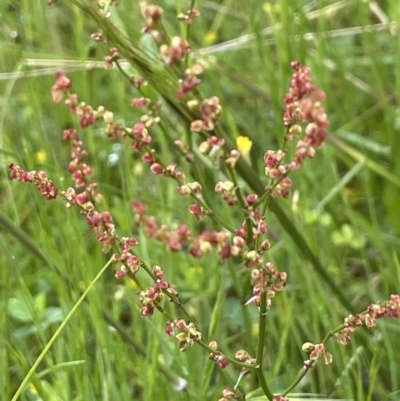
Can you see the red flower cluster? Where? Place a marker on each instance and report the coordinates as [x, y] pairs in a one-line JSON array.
[[217, 357], [61, 85], [210, 110], [153, 15], [38, 178], [303, 104], [187, 332], [375, 311], [176, 52], [181, 237], [153, 295]]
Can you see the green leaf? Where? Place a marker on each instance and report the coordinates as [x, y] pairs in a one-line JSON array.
[[19, 309]]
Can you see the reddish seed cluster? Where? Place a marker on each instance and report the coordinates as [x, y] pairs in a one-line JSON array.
[[190, 80], [375, 311], [140, 136], [61, 85], [228, 394], [282, 188], [82, 110], [272, 160], [228, 191], [150, 118], [217, 357], [180, 237], [214, 147], [113, 57], [300, 88], [138, 81], [156, 168], [153, 15], [280, 398], [199, 212], [176, 52], [190, 188], [130, 262], [267, 279], [244, 357], [153, 295], [97, 36], [303, 103], [187, 332], [141, 102], [38, 178], [232, 158], [319, 352], [78, 169], [112, 130], [88, 116], [259, 227], [102, 223], [206, 241], [60, 89], [189, 16], [210, 110]]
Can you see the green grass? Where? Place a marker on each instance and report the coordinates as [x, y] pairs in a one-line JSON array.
[[347, 210]]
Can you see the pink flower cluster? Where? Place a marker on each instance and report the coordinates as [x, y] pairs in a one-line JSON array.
[[130, 262], [390, 308], [189, 16], [176, 52], [210, 110], [303, 104], [244, 357], [78, 169], [228, 394], [190, 80], [153, 15], [319, 352], [180, 237], [140, 136], [60, 89], [280, 398], [187, 332], [228, 191], [61, 85], [38, 178], [217, 357], [153, 295], [112, 58], [267, 279]]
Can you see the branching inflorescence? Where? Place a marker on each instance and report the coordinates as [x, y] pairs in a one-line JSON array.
[[305, 124]]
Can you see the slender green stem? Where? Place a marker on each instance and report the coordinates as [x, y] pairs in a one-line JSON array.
[[306, 369], [260, 347], [58, 331]]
